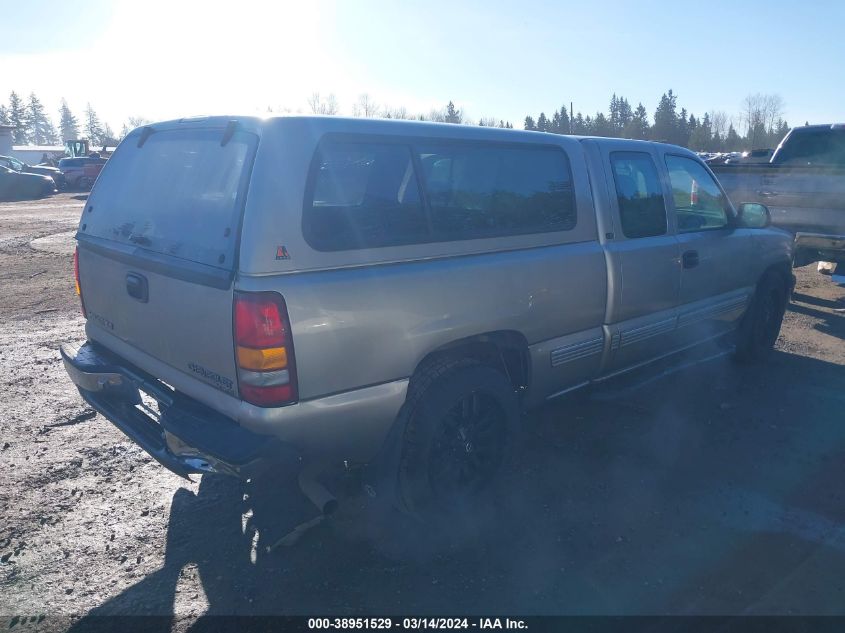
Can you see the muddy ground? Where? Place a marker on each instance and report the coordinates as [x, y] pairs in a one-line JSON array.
[[716, 490]]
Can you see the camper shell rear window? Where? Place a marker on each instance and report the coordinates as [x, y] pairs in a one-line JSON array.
[[178, 193]]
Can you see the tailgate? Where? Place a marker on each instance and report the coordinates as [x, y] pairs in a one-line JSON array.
[[808, 199], [184, 323], [158, 245]]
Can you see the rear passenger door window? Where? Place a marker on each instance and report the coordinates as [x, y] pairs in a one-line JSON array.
[[364, 195], [699, 203], [642, 208], [477, 191]]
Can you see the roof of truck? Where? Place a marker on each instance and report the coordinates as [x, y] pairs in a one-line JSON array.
[[330, 123], [821, 126]]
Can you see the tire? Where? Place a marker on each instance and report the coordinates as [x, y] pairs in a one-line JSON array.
[[760, 325], [460, 422]]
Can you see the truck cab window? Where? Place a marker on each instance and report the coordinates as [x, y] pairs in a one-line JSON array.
[[642, 209], [699, 203], [814, 147]]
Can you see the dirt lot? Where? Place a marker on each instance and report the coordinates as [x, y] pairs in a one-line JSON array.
[[714, 490]]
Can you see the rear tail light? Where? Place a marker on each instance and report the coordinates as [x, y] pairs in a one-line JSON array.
[[76, 280], [264, 349]]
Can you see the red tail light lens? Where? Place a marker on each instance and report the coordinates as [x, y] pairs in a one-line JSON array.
[[76, 280], [258, 321], [264, 349]]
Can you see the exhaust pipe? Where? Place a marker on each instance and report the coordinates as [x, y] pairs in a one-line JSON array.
[[318, 495], [315, 491]]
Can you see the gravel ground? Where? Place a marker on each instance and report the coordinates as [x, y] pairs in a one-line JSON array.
[[716, 490]]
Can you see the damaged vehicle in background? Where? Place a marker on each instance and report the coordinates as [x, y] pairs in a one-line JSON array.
[[389, 295], [15, 185]]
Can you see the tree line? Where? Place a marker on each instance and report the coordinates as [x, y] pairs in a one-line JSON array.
[[33, 125], [366, 107], [761, 121]]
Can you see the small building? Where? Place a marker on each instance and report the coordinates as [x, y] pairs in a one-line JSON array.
[[31, 154], [6, 140]]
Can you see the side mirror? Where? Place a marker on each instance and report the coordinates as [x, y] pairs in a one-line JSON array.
[[752, 215]]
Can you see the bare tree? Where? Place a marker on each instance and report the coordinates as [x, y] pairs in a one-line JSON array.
[[314, 103], [438, 115], [751, 113], [773, 111], [397, 113], [133, 122], [760, 114], [488, 121], [365, 107], [719, 123], [318, 105]]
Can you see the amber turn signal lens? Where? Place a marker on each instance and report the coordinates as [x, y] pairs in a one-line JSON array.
[[262, 359]]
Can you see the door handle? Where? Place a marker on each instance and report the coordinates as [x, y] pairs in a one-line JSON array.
[[137, 287], [690, 259], [765, 193]]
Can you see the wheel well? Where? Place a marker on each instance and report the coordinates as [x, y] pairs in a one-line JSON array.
[[505, 350], [784, 272]]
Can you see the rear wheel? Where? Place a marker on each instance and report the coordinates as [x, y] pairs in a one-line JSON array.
[[761, 324], [460, 423]]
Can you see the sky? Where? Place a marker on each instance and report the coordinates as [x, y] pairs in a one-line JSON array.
[[167, 59]]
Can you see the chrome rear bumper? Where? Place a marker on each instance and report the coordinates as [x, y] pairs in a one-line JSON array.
[[183, 435]]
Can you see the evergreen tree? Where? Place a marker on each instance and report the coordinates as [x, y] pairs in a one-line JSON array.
[[68, 124], [554, 126], [40, 128], [693, 123], [716, 142], [452, 114], [666, 119], [17, 119], [602, 126], [781, 130], [682, 131], [732, 140], [108, 137], [529, 123], [542, 123], [625, 113], [579, 126], [4, 115], [638, 126], [52, 134], [701, 135], [93, 127], [565, 125], [614, 113]]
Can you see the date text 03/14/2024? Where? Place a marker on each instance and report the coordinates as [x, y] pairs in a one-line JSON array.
[[416, 623]]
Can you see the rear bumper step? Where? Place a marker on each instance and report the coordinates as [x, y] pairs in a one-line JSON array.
[[184, 436]]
